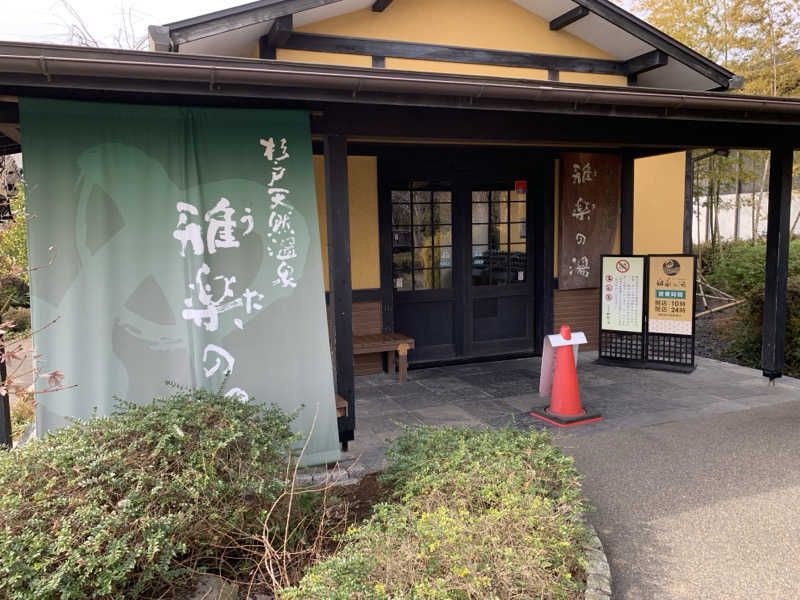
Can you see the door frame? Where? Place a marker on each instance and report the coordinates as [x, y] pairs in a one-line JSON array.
[[398, 163]]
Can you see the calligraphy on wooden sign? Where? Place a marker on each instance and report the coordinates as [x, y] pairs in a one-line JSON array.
[[588, 216]]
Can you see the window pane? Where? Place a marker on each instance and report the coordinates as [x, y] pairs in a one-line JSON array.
[[480, 196], [519, 231], [423, 280], [401, 214], [422, 236], [422, 214], [480, 265], [402, 281], [423, 258], [518, 211], [401, 261], [515, 197], [499, 235], [499, 263], [499, 212], [480, 213], [401, 237], [443, 278], [442, 196], [401, 196], [443, 235], [443, 257], [500, 196], [422, 197], [518, 262], [443, 213], [480, 234]]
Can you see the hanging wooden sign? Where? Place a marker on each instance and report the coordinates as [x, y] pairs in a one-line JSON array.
[[588, 216]]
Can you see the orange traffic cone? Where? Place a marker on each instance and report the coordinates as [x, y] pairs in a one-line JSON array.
[[565, 408]]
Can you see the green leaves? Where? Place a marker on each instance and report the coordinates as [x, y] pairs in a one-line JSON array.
[[120, 506], [478, 514]]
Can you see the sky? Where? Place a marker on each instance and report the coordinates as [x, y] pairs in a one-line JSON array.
[[49, 21]]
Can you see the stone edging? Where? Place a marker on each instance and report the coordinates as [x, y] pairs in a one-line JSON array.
[[598, 573]]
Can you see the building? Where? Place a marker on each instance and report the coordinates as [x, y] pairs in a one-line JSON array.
[[472, 159]]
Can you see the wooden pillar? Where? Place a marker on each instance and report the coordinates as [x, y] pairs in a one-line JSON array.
[[688, 203], [5, 407], [545, 224], [626, 206], [341, 291], [777, 264]]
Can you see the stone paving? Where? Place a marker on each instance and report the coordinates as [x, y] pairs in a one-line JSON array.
[[502, 392]]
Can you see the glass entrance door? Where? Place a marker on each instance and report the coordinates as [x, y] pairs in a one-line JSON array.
[[458, 248], [423, 269], [501, 291]]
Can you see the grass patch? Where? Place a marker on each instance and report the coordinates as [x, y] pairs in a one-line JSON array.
[[474, 514]]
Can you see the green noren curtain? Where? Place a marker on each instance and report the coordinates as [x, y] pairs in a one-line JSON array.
[[176, 244]]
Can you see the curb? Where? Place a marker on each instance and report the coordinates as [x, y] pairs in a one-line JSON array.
[[598, 573]]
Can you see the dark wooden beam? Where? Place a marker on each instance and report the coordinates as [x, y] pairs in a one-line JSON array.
[[373, 47], [5, 406], [433, 124], [552, 75], [568, 18], [379, 62], [341, 289], [645, 62], [380, 5], [688, 203], [626, 205], [777, 263], [544, 222], [278, 34]]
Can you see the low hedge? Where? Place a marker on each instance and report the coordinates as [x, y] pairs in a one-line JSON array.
[[490, 514], [122, 506], [746, 340]]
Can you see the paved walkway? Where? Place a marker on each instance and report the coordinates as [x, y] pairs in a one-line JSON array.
[[695, 477]]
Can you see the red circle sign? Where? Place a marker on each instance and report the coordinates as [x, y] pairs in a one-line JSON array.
[[623, 266]]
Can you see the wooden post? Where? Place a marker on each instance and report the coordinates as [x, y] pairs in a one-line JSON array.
[[543, 224], [341, 292], [5, 406], [402, 355], [777, 264], [688, 204], [626, 206]]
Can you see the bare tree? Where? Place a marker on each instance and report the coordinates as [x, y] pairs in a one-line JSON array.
[[128, 35]]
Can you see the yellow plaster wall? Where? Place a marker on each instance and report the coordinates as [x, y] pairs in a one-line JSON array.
[[495, 24], [658, 204], [362, 175]]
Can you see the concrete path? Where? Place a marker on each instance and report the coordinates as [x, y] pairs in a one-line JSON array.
[[699, 509], [696, 478]]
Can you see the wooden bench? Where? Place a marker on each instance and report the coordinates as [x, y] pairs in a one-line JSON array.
[[388, 343], [341, 406]]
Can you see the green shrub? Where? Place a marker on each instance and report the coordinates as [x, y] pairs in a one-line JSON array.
[[20, 319], [477, 514], [118, 507], [22, 415], [746, 340], [737, 267], [14, 240], [13, 291]]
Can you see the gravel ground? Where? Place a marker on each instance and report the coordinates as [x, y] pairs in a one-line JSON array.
[[708, 341]]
